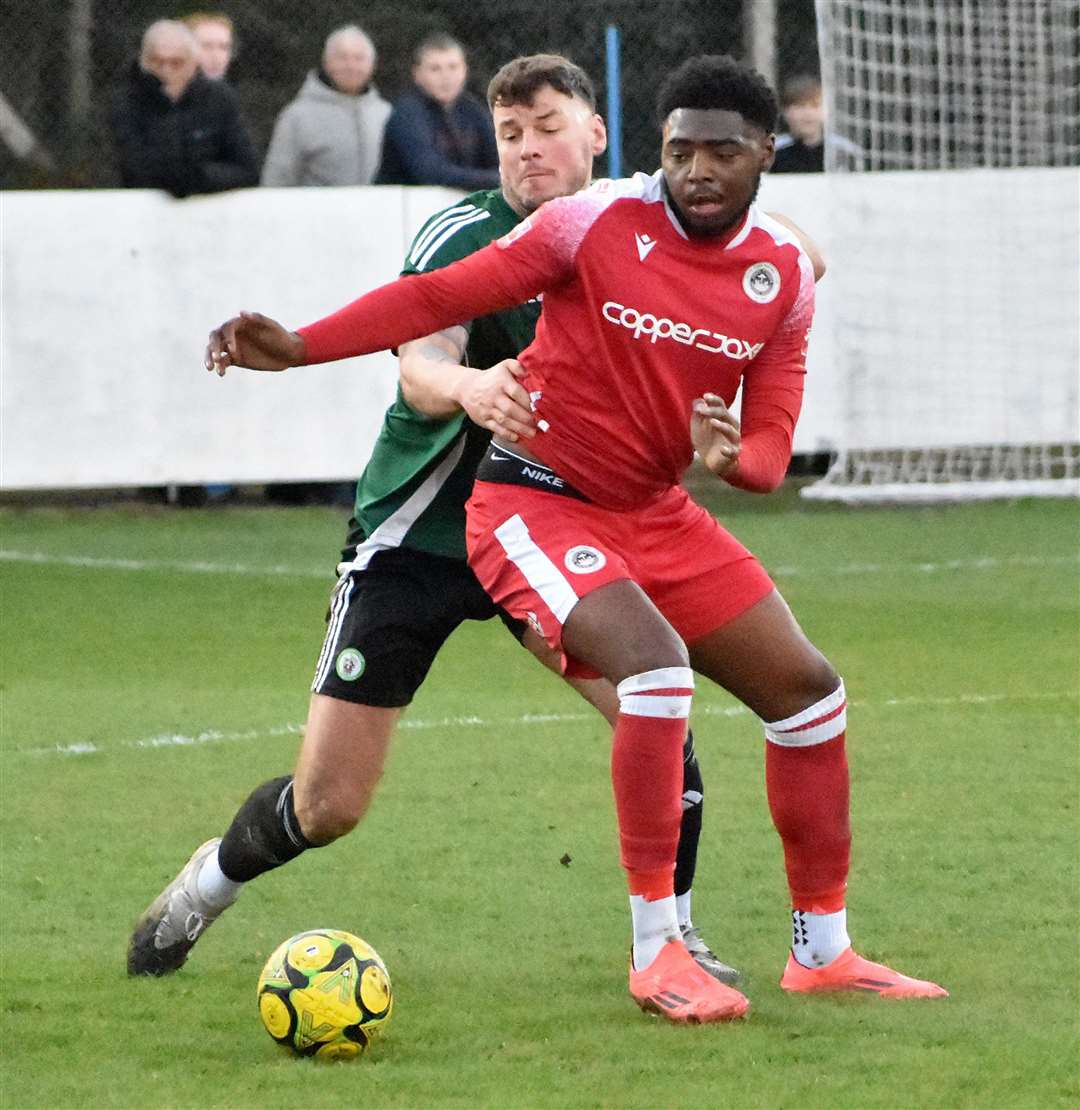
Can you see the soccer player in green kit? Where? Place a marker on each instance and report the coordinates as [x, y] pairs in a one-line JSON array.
[[404, 585]]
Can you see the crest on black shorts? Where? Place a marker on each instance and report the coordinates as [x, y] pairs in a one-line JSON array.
[[584, 560], [350, 665], [761, 282]]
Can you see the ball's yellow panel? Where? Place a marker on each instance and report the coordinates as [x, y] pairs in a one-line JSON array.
[[339, 1050], [275, 1015], [311, 953], [333, 993], [374, 989], [363, 950]]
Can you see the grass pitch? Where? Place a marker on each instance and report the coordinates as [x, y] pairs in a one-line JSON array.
[[156, 666]]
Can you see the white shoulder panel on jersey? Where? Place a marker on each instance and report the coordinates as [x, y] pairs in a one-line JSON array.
[[563, 222], [443, 227], [782, 235], [778, 232], [642, 186]]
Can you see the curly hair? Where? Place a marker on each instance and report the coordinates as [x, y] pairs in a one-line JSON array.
[[719, 81]]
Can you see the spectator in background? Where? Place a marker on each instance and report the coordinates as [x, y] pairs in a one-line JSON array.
[[801, 149], [439, 134], [332, 133], [174, 128], [213, 33]]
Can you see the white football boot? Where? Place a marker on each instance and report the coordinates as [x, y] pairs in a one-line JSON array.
[[169, 927]]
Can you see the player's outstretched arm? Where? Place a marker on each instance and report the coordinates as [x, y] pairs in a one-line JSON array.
[[504, 273], [421, 304], [434, 382], [255, 342]]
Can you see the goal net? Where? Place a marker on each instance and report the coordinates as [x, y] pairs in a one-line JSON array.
[[955, 246]]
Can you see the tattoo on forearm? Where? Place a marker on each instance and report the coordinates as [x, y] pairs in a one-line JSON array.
[[436, 354]]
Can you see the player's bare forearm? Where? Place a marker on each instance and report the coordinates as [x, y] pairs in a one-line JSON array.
[[434, 382], [430, 370]]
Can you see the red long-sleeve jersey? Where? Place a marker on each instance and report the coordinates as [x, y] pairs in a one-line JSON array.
[[638, 320]]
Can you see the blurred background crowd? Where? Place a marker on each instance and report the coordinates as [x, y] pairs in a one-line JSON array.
[[242, 93], [108, 93]]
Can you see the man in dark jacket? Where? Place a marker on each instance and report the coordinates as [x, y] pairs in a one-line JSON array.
[[439, 134], [174, 128]]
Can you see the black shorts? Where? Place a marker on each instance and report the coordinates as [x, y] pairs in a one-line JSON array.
[[388, 621]]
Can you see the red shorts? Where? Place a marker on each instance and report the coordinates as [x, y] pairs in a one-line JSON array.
[[537, 554]]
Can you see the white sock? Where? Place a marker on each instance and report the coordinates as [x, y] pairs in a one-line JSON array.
[[682, 909], [818, 938], [214, 885], [655, 923]]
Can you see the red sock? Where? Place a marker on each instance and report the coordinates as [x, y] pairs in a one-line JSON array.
[[806, 778], [646, 771]]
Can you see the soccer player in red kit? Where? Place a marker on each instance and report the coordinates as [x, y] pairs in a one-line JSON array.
[[661, 295]]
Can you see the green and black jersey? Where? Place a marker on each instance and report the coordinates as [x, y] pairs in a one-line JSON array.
[[413, 491]]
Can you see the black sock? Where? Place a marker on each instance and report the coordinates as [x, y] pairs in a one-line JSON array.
[[264, 833], [690, 829]]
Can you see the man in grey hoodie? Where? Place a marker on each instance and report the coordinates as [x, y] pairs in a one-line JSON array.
[[332, 133]]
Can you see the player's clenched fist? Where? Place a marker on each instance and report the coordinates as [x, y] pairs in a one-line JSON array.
[[253, 341], [715, 434]]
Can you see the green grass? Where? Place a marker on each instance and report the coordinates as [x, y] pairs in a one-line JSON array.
[[509, 967]]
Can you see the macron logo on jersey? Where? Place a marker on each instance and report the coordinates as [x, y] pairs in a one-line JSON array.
[[660, 327], [644, 245]]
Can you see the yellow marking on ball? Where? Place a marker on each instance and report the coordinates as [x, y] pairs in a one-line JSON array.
[[275, 1015], [374, 989]]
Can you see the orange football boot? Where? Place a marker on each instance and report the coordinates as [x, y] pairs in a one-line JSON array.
[[675, 987], [849, 972]]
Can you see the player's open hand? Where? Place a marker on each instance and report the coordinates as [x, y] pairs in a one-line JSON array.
[[495, 399], [715, 434], [255, 342]]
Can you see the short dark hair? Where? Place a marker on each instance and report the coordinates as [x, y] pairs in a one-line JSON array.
[[440, 40], [719, 81], [521, 79]]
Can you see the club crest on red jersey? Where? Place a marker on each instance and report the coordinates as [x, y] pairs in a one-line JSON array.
[[761, 282], [584, 560]]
